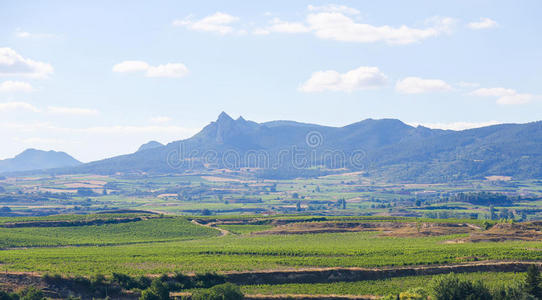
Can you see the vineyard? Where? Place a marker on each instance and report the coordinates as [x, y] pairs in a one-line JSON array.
[[169, 244], [373, 287], [141, 231]]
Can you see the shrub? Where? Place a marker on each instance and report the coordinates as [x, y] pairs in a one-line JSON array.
[[144, 282], [226, 291], [451, 287], [514, 291], [126, 282], [148, 294], [208, 280], [157, 291], [184, 281], [31, 293], [532, 282], [8, 296]]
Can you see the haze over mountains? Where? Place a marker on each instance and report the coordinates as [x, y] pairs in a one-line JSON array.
[[150, 145], [32, 159], [386, 147]]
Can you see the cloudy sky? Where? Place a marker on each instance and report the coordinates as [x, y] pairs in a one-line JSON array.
[[99, 78]]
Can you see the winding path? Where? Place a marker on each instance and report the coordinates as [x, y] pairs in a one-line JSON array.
[[223, 232]]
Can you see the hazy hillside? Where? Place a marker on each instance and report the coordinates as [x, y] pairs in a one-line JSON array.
[[32, 159], [386, 147], [149, 145]]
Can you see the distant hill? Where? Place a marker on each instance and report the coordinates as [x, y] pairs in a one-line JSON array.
[[150, 145], [388, 148], [32, 159]]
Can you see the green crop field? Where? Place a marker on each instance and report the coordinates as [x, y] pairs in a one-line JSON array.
[[165, 245], [375, 287], [147, 230], [212, 223]]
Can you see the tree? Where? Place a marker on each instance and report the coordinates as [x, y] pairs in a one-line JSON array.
[[511, 291], [492, 213], [157, 291], [451, 287], [532, 282]]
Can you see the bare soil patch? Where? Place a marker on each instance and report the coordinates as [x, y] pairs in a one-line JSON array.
[[528, 231], [397, 229]]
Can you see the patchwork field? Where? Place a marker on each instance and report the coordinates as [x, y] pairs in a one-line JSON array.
[[158, 244], [344, 234]]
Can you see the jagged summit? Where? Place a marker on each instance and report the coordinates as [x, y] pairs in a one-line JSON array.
[[387, 147], [224, 117]]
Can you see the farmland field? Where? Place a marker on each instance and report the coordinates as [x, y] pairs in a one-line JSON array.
[[168, 244], [373, 287], [239, 227]]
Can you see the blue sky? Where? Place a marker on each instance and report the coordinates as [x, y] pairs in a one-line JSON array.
[[99, 78]]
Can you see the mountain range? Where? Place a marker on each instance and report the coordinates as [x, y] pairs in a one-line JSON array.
[[32, 159], [387, 147], [150, 145]]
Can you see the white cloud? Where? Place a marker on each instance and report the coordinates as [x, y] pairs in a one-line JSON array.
[[357, 79], [484, 23], [15, 86], [456, 125], [504, 96], [9, 106], [277, 25], [441, 24], [172, 70], [27, 35], [332, 22], [334, 8], [168, 70], [218, 22], [339, 27], [74, 111], [131, 66], [13, 64], [416, 85], [160, 119]]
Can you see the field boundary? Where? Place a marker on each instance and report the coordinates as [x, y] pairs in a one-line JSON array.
[[327, 275]]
